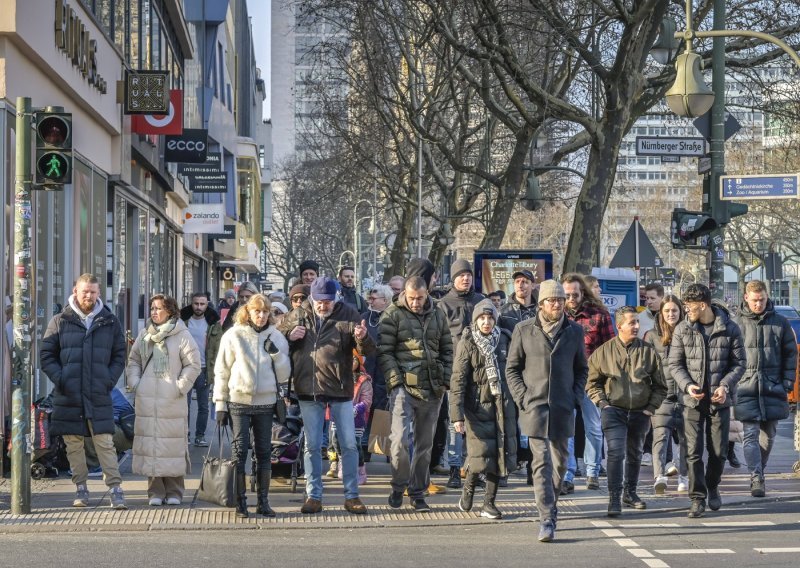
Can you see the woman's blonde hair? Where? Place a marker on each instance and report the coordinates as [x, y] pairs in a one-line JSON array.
[[258, 301]]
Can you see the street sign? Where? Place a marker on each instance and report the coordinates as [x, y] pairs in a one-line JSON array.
[[703, 165], [775, 186], [670, 159], [667, 146], [703, 125]]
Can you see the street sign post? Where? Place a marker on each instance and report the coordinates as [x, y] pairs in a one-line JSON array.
[[774, 186], [692, 147]]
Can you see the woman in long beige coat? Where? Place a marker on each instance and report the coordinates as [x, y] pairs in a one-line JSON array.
[[163, 365]]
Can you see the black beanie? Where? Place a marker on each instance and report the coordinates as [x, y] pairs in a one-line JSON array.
[[308, 265]]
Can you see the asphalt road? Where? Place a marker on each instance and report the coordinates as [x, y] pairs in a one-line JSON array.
[[755, 534]]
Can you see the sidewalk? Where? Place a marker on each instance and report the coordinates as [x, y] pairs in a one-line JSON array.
[[52, 498]]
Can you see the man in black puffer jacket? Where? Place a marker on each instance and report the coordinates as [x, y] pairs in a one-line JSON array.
[[83, 355], [762, 394], [706, 359]]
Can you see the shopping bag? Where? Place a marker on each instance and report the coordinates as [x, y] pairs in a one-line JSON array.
[[379, 432], [218, 478]]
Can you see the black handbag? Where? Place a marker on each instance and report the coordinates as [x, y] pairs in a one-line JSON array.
[[218, 477]]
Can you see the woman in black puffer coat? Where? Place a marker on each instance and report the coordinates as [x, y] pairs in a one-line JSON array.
[[668, 419], [481, 406]]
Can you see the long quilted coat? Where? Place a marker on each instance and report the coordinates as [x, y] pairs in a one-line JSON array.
[[161, 428]]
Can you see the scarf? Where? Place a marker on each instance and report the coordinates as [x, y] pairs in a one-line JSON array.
[[486, 345], [153, 346], [550, 328]]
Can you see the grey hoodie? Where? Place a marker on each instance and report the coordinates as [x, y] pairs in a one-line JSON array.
[[86, 318]]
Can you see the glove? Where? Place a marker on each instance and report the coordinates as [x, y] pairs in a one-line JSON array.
[[222, 417]]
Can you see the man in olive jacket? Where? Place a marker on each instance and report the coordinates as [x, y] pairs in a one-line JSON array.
[[546, 373], [83, 355], [322, 334], [762, 393], [706, 359], [627, 384], [416, 356]]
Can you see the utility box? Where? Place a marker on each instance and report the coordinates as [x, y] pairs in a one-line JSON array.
[[619, 287]]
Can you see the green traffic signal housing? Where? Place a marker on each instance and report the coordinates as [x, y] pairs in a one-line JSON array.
[[53, 148], [722, 210], [688, 226]]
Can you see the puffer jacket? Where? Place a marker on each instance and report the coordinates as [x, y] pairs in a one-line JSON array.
[[419, 344], [161, 426], [514, 312], [213, 338], [762, 393], [627, 377], [674, 399], [491, 422], [84, 367], [724, 358], [246, 372], [547, 379], [457, 308], [322, 361]]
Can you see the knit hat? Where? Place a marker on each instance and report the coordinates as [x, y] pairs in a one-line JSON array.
[[303, 289], [230, 294], [248, 286], [280, 307], [308, 265], [551, 289], [526, 273], [458, 267], [324, 288], [421, 267], [484, 307]]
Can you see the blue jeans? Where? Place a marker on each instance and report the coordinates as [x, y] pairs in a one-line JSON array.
[[201, 386], [593, 452], [455, 447], [313, 420]]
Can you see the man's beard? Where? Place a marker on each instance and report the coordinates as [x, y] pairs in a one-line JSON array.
[[87, 306], [199, 313], [552, 318]]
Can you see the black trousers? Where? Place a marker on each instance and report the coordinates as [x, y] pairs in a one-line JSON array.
[[709, 432], [261, 424], [625, 431], [440, 437]]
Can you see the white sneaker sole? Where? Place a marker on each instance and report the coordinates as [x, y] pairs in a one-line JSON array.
[[660, 487]]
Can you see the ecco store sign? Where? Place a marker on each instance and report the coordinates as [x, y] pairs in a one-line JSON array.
[[191, 147], [73, 39], [204, 218]]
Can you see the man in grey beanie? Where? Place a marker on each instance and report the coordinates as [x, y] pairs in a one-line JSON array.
[[546, 373], [457, 305]]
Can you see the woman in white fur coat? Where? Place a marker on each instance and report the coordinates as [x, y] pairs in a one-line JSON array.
[[253, 361], [163, 365]]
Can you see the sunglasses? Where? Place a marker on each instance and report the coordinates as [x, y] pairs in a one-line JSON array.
[[298, 298]]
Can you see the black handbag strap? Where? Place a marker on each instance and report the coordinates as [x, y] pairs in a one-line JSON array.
[[218, 432]]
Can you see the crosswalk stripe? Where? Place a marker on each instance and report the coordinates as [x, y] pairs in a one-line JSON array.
[[768, 550], [721, 524], [695, 551]]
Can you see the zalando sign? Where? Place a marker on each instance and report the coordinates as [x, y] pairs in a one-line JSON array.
[[204, 218]]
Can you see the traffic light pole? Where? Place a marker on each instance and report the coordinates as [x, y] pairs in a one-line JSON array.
[[23, 284], [716, 262]]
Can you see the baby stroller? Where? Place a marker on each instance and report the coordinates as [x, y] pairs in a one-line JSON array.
[[49, 452], [287, 448]]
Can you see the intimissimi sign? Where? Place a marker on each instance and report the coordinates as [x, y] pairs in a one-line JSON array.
[[73, 39]]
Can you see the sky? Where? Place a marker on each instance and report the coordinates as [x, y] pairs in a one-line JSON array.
[[259, 11]]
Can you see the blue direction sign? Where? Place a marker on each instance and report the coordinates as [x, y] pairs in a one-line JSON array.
[[775, 186]]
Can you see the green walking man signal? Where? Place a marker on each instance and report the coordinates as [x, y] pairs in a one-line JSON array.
[[53, 148]]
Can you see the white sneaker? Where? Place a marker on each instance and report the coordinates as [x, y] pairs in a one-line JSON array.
[[647, 459], [173, 501], [660, 485], [683, 483], [671, 469], [156, 501]]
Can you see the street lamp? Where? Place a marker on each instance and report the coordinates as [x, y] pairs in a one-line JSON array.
[[666, 44], [533, 200], [689, 96], [373, 216]]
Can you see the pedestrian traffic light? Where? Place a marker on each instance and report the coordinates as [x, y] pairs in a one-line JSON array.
[[533, 194], [688, 226], [53, 148]]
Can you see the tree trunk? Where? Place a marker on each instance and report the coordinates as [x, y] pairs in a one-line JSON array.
[[397, 255]]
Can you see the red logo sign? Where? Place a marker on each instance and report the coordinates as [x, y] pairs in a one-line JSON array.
[[171, 123]]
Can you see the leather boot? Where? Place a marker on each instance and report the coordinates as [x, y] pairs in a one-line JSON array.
[[241, 495], [732, 459], [614, 503], [468, 492], [489, 510], [263, 480]]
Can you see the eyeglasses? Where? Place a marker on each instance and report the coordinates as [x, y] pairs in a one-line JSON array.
[[552, 301], [576, 295]]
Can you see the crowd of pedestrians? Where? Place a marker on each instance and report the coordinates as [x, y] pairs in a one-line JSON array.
[[475, 387]]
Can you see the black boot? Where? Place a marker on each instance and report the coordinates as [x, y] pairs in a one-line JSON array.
[[468, 492], [241, 495], [263, 480], [732, 459], [454, 482], [489, 510], [631, 499], [614, 504]]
